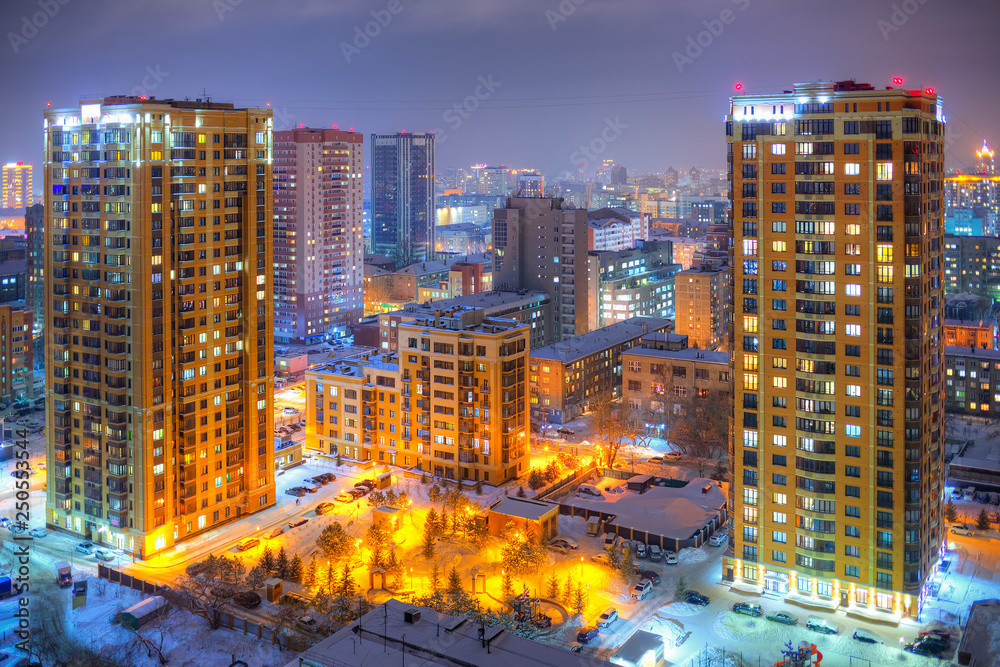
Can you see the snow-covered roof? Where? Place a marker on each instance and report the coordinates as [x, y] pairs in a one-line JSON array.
[[673, 512], [980, 638], [432, 639], [522, 508], [574, 349], [633, 651]]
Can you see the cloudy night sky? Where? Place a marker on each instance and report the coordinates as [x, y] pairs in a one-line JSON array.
[[534, 79]]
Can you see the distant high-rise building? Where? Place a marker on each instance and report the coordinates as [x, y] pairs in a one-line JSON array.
[[493, 182], [695, 175], [671, 178], [531, 184], [541, 244], [17, 185], [159, 336], [318, 242], [619, 175], [985, 164], [837, 448], [34, 227], [402, 191], [701, 298]]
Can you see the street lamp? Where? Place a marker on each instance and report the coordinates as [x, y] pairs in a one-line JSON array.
[[411, 578]]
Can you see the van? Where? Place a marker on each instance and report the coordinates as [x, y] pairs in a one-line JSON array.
[[607, 619], [589, 490], [968, 493]]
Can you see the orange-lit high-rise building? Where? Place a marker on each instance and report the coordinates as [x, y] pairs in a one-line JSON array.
[[837, 343], [158, 346]]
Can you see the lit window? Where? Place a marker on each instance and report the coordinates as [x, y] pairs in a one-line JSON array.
[[852, 168]]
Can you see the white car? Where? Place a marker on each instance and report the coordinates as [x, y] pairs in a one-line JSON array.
[[85, 548], [289, 411], [670, 557], [38, 532], [608, 618], [963, 529], [568, 542], [718, 539], [642, 589], [558, 548], [104, 554]]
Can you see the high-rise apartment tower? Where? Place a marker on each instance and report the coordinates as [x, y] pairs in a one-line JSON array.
[[837, 345], [158, 349], [402, 194], [17, 185], [318, 239]]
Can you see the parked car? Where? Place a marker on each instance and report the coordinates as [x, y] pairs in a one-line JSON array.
[[656, 459], [289, 411], [296, 524], [559, 549], [822, 625], [194, 569], [672, 456], [694, 597], [782, 617], [866, 637], [249, 543], [104, 554], [642, 590], [85, 548], [568, 542], [718, 539], [564, 431], [607, 619], [655, 553], [610, 541], [649, 574], [295, 491], [589, 490], [670, 557], [308, 623], [324, 507], [586, 635], [963, 529], [640, 550], [311, 488], [367, 483], [247, 599], [345, 498], [943, 635], [956, 494], [277, 531], [329, 476], [748, 608], [38, 532], [924, 647], [361, 491], [601, 559]]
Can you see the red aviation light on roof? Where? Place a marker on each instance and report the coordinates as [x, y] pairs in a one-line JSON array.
[[739, 86], [897, 81], [929, 91]]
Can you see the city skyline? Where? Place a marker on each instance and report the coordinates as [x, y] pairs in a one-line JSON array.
[[581, 98]]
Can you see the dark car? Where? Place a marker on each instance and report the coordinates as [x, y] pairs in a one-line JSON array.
[[367, 483], [932, 649], [783, 618], [748, 608], [295, 491], [296, 524], [323, 508], [194, 569], [247, 599], [937, 641], [329, 476], [648, 574], [587, 634], [694, 597], [941, 635]]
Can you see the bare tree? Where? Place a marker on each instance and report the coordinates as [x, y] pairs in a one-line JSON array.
[[151, 638], [704, 431], [206, 594], [608, 419], [376, 294]]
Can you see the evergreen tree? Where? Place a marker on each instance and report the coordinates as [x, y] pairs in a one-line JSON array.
[[340, 460], [331, 578], [950, 512], [267, 560], [310, 576], [444, 522], [552, 590], [454, 586], [433, 522], [983, 520], [295, 570], [681, 589], [507, 584], [627, 566], [347, 588], [281, 564], [394, 569], [429, 543], [578, 601], [255, 578], [521, 493], [567, 591], [479, 487], [423, 477], [436, 578]]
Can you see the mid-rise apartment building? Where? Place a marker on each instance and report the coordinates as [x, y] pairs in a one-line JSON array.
[[16, 352], [616, 229], [837, 346], [972, 265], [638, 282], [34, 228], [700, 301], [453, 402], [566, 377], [972, 381], [541, 244], [318, 236], [158, 345], [17, 189]]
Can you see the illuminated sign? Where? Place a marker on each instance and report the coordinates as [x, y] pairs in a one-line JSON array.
[[90, 111]]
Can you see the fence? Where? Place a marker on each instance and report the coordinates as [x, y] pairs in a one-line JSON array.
[[122, 579], [549, 489]]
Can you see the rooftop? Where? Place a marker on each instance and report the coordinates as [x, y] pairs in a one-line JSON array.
[[382, 636], [436, 266], [522, 508], [571, 350], [489, 301], [638, 645], [952, 351], [982, 455], [688, 354], [980, 637]]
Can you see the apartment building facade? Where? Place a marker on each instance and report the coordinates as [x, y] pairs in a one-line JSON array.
[[402, 192], [318, 235], [972, 265], [837, 449], [700, 301], [638, 282], [16, 352], [158, 349], [453, 402]]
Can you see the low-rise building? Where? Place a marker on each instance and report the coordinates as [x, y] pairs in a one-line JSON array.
[[17, 360], [972, 381], [638, 282], [539, 517], [980, 334], [658, 383], [527, 307], [567, 376], [615, 229], [453, 402]]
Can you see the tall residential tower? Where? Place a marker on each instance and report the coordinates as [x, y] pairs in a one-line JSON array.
[[17, 185], [318, 241], [837, 450], [402, 193], [158, 349]]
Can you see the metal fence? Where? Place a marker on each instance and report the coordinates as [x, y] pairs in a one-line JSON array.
[[127, 580]]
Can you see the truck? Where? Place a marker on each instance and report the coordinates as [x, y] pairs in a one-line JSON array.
[[6, 587], [64, 575], [594, 526]]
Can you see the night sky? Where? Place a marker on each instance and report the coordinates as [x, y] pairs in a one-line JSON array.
[[550, 76]]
